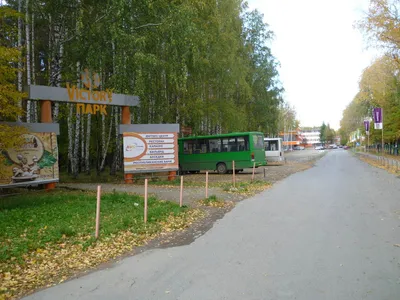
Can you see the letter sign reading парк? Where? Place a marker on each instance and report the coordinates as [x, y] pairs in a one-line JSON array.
[[149, 152], [89, 94]]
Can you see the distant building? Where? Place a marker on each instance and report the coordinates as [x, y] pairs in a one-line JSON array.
[[290, 138], [310, 136]]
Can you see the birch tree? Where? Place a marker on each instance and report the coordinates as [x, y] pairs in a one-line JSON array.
[[28, 59], [20, 49]]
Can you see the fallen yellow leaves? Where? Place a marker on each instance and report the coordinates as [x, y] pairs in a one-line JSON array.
[[215, 202], [57, 263], [390, 168], [248, 189], [181, 222]]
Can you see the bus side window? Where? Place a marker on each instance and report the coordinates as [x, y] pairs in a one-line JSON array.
[[201, 146], [229, 145], [189, 147], [214, 145], [274, 146], [225, 142], [242, 143]]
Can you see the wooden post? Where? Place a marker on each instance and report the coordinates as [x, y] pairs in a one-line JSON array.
[[145, 200], [171, 175], [126, 119], [264, 172], [45, 112], [96, 235], [181, 193], [125, 115], [206, 184], [233, 173], [254, 167], [46, 117]]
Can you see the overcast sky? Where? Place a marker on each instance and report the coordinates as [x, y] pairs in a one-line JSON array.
[[322, 55]]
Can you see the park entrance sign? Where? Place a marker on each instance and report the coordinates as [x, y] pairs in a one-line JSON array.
[[150, 152], [150, 148]]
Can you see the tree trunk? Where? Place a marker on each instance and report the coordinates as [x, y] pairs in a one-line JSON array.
[[115, 163], [28, 60], [82, 133], [70, 138], [75, 156], [106, 144], [33, 103], [57, 51], [118, 139], [87, 150], [19, 48], [76, 147]]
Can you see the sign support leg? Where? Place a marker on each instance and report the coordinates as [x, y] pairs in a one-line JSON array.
[[46, 117], [171, 175]]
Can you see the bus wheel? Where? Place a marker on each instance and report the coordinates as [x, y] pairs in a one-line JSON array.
[[221, 168]]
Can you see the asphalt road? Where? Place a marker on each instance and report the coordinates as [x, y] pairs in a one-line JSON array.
[[326, 233]]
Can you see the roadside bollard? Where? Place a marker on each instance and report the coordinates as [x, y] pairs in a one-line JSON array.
[[96, 235], [206, 184], [233, 174], [145, 200], [181, 193]]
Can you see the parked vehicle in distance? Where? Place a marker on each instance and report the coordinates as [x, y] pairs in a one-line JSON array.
[[274, 150], [319, 148], [298, 147], [217, 152]]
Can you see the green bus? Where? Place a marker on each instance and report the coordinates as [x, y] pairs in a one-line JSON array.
[[216, 152]]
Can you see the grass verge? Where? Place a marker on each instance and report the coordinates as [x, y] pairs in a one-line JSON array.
[[378, 164], [47, 237]]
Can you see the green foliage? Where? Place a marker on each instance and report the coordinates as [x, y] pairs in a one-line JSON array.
[[203, 64], [379, 85], [9, 54], [32, 221], [322, 133]]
